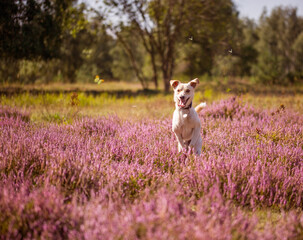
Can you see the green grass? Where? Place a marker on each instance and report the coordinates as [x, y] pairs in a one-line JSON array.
[[56, 107], [54, 103]]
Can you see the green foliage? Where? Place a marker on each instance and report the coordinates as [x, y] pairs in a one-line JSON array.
[[97, 56], [61, 41], [9, 69], [237, 59], [278, 49], [227, 66], [38, 30], [84, 51], [206, 33], [297, 47], [197, 59], [121, 65]]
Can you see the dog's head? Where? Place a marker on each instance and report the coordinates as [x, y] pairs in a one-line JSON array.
[[184, 92]]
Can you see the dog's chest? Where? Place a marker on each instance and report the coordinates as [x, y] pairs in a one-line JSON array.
[[183, 124], [187, 132]]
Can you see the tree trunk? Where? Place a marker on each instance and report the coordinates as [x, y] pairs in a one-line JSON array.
[[166, 84], [166, 77], [155, 79], [155, 75], [168, 61]]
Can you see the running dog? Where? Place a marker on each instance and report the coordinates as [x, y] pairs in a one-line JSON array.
[[186, 122]]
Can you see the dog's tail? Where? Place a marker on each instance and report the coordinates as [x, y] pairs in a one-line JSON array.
[[200, 107]]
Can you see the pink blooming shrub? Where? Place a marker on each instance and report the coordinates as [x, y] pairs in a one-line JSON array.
[[29, 213], [7, 112], [109, 178]]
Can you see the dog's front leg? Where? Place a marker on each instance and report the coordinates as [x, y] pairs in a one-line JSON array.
[[196, 142], [179, 147], [195, 136], [180, 141]]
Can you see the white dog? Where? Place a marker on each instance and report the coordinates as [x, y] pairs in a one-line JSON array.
[[186, 122]]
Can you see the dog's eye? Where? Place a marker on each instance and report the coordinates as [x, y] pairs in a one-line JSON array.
[[187, 91], [179, 90]]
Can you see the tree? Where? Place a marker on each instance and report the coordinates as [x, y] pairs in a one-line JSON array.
[[39, 31], [128, 56], [162, 24], [75, 38], [100, 49], [238, 58], [277, 47], [212, 28], [32, 29], [297, 47]]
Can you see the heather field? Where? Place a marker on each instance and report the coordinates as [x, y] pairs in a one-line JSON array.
[[78, 166]]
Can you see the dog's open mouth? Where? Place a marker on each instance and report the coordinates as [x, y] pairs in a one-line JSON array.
[[182, 102]]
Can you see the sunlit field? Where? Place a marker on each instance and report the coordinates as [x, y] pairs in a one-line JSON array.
[[66, 102], [101, 162]]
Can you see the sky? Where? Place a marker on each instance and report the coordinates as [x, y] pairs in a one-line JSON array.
[[253, 8]]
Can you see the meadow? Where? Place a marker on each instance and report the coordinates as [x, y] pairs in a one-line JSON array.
[[80, 164]]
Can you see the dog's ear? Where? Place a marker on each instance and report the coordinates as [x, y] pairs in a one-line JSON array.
[[174, 83], [194, 82]]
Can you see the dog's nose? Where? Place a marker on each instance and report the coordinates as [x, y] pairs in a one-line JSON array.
[[182, 97]]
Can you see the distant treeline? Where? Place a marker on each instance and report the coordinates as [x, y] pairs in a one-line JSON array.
[[146, 40]]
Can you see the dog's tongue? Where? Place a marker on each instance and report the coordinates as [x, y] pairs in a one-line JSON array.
[[182, 102]]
